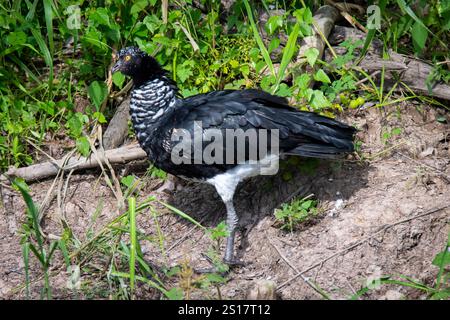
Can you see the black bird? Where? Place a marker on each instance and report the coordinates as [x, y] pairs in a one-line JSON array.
[[158, 114]]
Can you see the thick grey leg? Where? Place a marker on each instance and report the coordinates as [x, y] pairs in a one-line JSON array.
[[226, 185], [232, 221]]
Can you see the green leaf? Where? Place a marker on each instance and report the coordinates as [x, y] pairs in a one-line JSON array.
[[97, 92], [303, 81], [419, 36], [184, 71], [245, 69], [284, 90], [16, 38], [234, 63], [48, 107], [318, 100], [101, 16], [274, 23], [441, 119], [45, 52], [138, 6], [441, 295], [83, 146], [118, 79], [26, 259], [396, 131], [304, 15], [274, 43], [215, 278], [175, 294], [321, 76], [75, 126], [127, 181], [307, 204], [100, 117], [267, 82], [133, 240], [311, 56], [442, 258], [368, 41], [220, 231], [153, 23]]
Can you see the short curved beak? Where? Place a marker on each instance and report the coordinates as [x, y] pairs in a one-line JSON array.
[[116, 67]]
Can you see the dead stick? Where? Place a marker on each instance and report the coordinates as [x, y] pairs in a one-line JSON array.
[[49, 169], [307, 281]]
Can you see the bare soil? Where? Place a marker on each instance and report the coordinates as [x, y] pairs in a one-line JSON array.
[[401, 177]]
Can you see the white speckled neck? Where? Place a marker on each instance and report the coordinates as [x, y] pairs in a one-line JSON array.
[[149, 102]]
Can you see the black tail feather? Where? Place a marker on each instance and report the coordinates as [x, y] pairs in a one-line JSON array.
[[318, 151]]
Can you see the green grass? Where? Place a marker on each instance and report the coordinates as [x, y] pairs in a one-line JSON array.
[[117, 247]]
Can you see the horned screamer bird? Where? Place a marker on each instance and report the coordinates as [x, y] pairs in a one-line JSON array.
[[159, 114]]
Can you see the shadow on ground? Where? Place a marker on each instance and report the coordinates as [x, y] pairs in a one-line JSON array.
[[258, 197]]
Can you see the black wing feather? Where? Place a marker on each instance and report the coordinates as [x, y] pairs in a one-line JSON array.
[[301, 133]]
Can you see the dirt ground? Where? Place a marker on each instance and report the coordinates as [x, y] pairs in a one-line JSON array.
[[404, 177]]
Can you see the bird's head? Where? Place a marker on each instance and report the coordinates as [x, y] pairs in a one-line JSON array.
[[135, 63]]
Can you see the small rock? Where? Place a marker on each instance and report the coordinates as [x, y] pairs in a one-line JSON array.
[[427, 152], [262, 290], [392, 295], [338, 204]]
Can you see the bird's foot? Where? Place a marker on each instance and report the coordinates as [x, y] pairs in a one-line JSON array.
[[234, 262]]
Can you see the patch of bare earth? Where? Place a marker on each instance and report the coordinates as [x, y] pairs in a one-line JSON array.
[[400, 195]]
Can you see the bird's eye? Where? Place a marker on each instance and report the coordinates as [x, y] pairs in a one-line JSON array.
[[127, 58]]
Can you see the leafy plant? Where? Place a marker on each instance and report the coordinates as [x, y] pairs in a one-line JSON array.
[[291, 215]]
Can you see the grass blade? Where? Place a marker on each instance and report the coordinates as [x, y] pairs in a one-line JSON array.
[[145, 280], [26, 262], [288, 53], [45, 52], [32, 211], [49, 24], [442, 264], [258, 39], [182, 214], [133, 239]]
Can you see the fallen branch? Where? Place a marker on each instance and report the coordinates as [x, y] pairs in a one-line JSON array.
[[307, 281], [50, 168]]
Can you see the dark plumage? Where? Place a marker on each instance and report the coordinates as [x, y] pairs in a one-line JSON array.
[[157, 112]]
